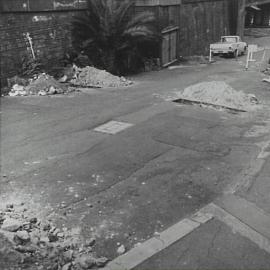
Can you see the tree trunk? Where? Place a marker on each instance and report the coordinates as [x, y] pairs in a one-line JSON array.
[[241, 17]]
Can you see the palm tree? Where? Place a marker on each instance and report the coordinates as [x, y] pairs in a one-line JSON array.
[[110, 35]]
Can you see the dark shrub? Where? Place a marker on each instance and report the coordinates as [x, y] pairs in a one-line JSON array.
[[113, 38]]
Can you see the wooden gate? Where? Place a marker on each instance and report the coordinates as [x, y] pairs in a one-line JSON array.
[[169, 46]]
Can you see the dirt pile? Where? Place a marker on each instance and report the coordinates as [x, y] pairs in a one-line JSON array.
[[42, 85], [38, 244], [219, 93], [93, 77], [267, 70]]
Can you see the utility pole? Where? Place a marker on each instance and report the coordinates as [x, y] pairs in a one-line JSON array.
[[241, 17]]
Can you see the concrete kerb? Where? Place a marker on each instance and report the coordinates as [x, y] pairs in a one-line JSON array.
[[159, 242], [238, 226], [173, 234]]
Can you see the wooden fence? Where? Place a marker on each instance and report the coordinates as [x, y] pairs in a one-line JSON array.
[[199, 22]]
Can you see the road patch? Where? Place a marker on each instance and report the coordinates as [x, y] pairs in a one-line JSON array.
[[113, 127]]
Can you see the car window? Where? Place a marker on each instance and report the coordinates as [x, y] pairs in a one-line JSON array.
[[229, 39]]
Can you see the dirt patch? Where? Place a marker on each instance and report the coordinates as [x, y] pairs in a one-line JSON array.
[[219, 93], [93, 77]]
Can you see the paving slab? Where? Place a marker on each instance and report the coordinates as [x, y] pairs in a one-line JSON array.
[[113, 127], [259, 193], [211, 246], [247, 212]]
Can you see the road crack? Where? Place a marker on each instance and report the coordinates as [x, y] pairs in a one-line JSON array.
[[212, 243]]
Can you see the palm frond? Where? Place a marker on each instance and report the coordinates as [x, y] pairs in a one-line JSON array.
[[141, 19], [109, 29], [122, 12]]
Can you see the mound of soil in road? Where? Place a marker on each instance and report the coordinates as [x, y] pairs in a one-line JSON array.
[[93, 77], [42, 84], [45, 83], [219, 93]]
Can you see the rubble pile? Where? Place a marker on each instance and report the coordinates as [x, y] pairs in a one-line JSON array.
[[43, 245], [93, 77], [219, 93], [267, 71], [42, 85]]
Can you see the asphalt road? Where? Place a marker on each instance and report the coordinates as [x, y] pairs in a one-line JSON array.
[[122, 188]]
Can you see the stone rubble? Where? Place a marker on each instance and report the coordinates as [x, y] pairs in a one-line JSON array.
[[121, 250], [93, 77], [11, 225], [45, 85], [45, 245], [41, 85]]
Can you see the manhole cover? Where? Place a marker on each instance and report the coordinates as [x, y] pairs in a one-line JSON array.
[[113, 127]]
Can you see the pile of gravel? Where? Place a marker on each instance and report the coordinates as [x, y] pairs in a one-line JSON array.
[[93, 77], [219, 93]]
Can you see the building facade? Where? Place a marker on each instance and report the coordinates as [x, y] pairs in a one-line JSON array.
[[258, 16]]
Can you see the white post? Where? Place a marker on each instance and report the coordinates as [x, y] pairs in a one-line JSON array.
[[31, 44], [248, 56], [210, 56], [251, 50]]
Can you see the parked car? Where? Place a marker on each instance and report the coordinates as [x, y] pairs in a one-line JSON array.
[[229, 45]]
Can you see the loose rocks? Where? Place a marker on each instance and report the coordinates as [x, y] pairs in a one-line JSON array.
[[22, 237], [11, 225], [93, 77], [121, 250], [17, 90], [85, 261], [42, 85], [90, 242], [44, 243], [101, 262]]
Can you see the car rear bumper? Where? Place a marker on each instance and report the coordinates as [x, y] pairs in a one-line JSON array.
[[222, 51]]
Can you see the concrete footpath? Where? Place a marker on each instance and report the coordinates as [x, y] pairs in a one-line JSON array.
[[230, 233]]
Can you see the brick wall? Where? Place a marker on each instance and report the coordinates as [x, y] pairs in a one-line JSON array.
[[48, 24]]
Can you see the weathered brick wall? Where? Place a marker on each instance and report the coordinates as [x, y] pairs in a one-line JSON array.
[[50, 35], [48, 24]]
